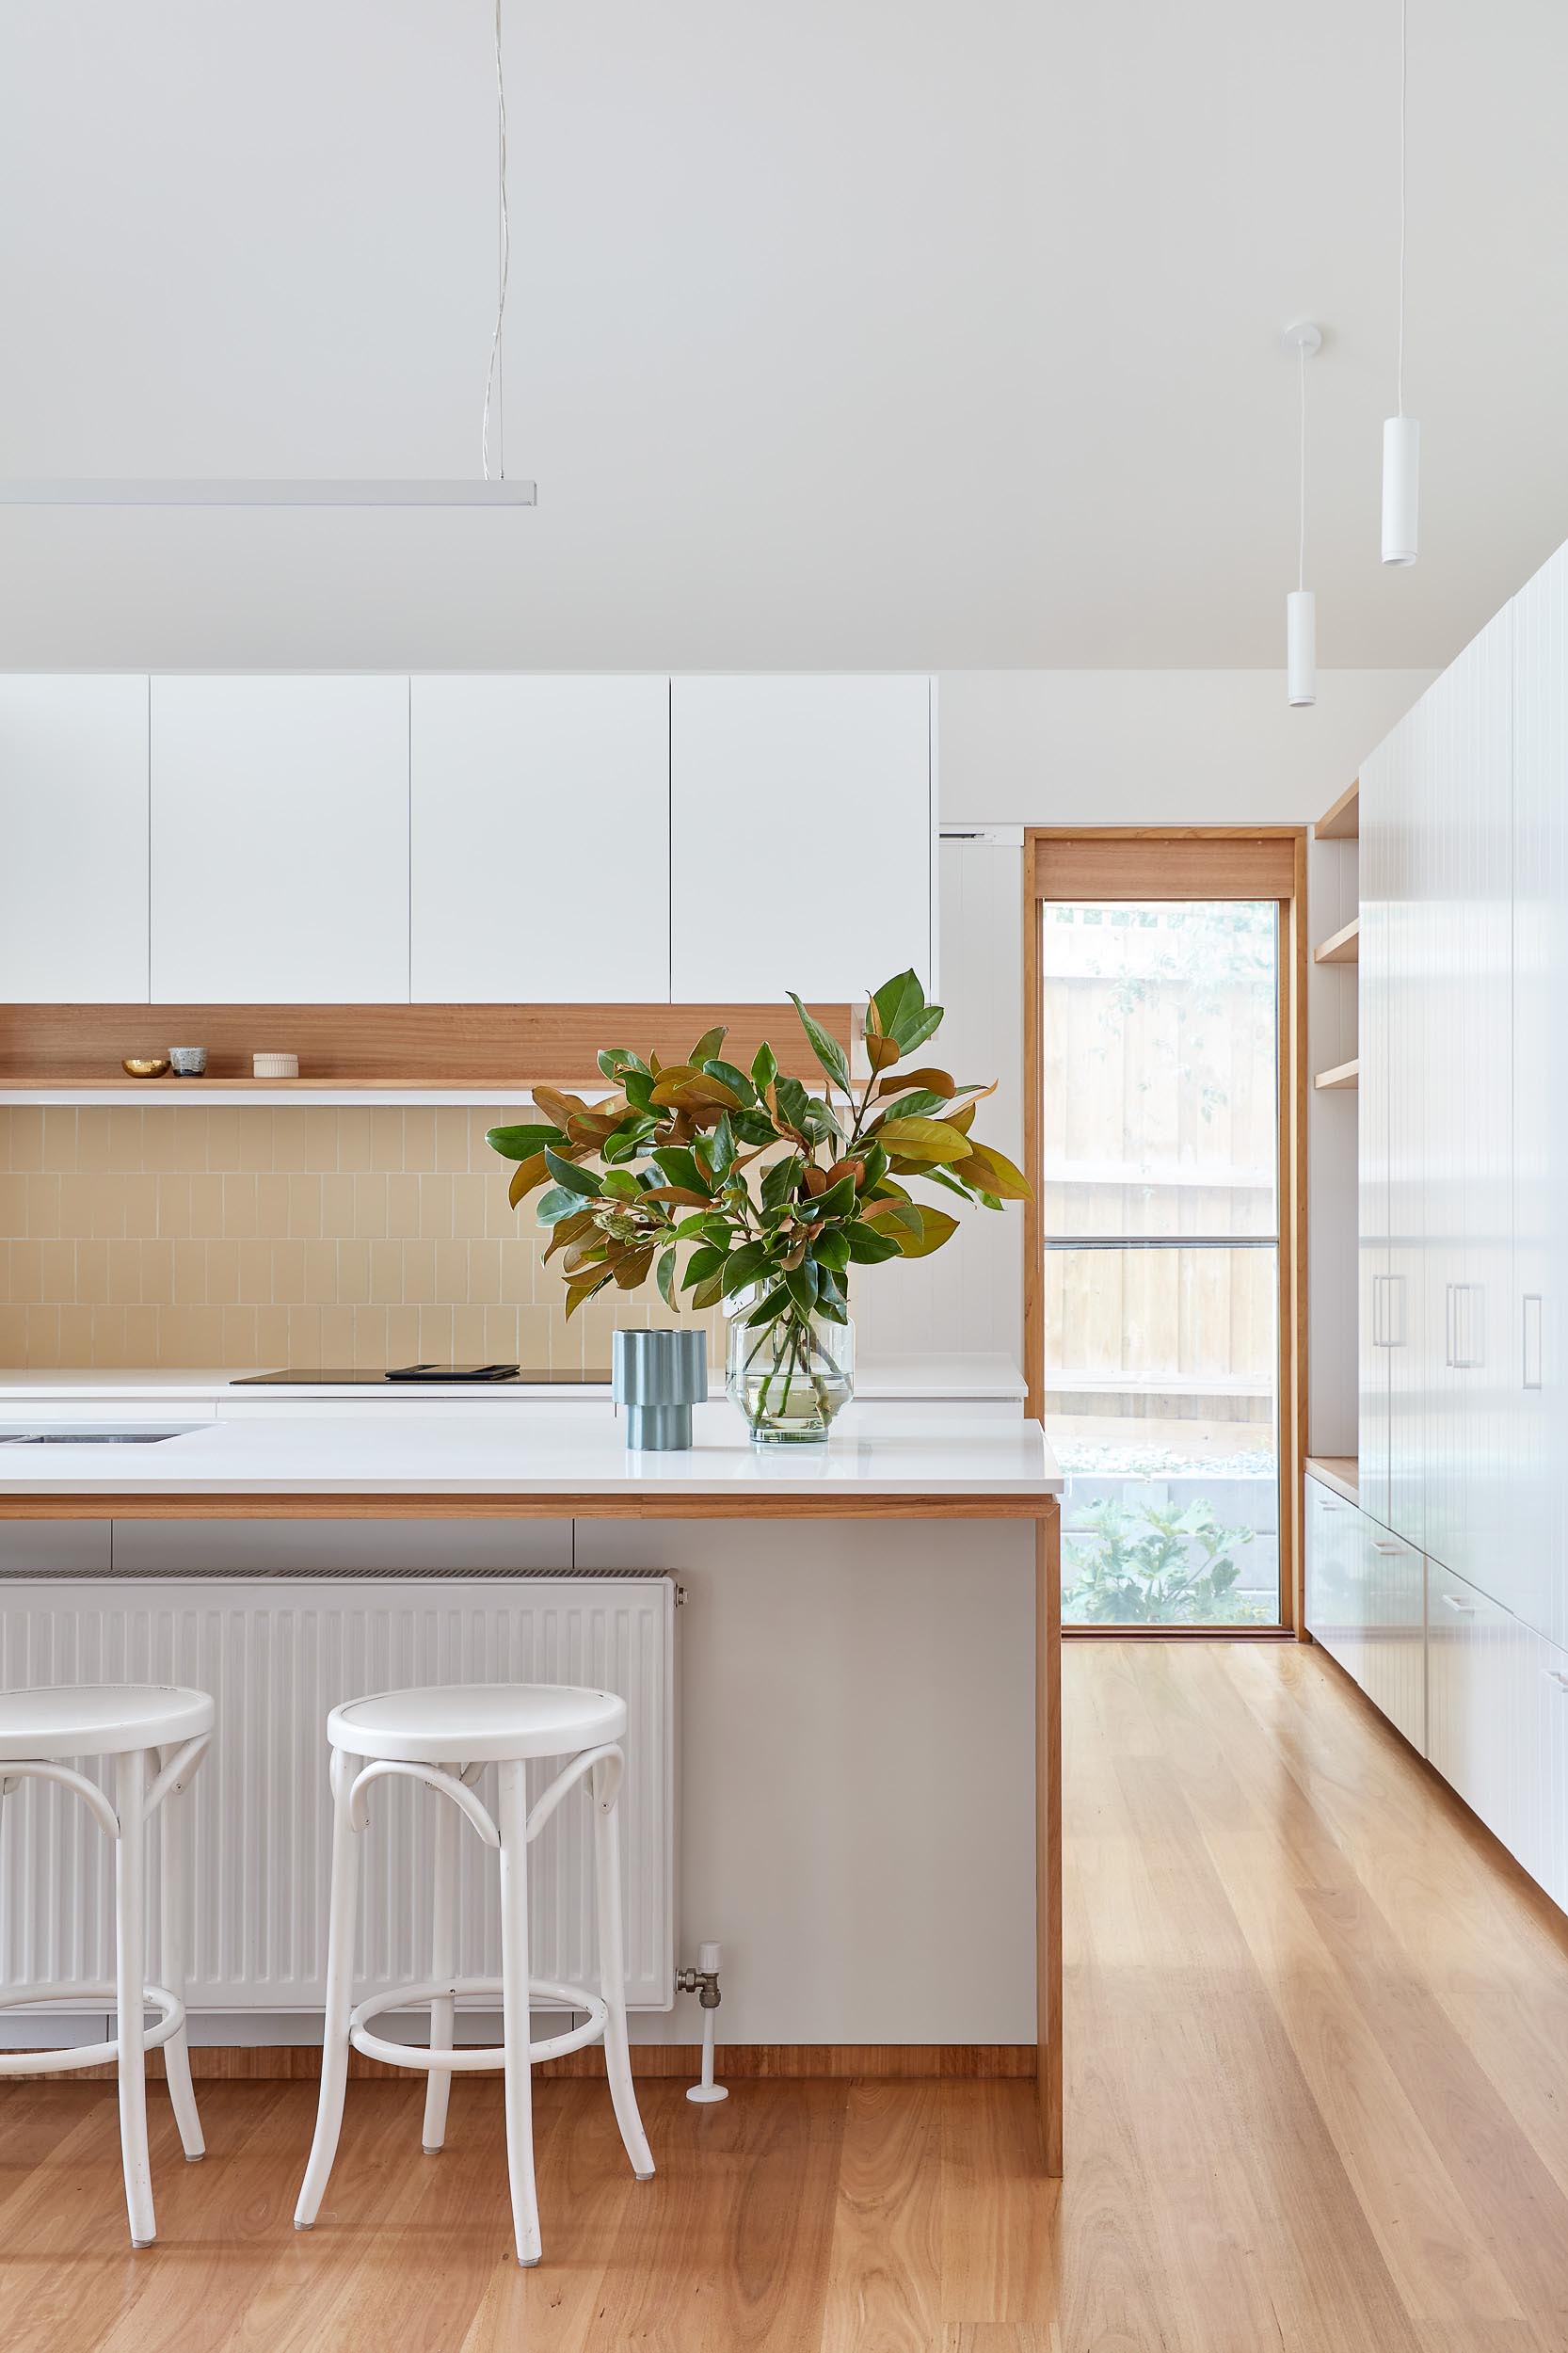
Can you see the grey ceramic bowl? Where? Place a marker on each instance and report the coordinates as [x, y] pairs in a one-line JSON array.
[[187, 1062]]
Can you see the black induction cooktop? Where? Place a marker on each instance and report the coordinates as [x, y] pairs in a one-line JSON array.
[[375, 1376]]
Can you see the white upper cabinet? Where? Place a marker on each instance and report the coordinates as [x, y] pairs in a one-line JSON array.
[[539, 818], [280, 841], [74, 840], [801, 822]]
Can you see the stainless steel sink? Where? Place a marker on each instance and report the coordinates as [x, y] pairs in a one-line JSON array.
[[93, 1437]]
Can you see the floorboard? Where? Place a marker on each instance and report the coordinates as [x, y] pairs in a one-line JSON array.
[[1318, 2101]]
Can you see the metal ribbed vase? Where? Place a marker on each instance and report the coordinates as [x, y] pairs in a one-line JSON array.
[[658, 1377]]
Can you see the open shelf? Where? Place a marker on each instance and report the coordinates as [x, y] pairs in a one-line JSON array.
[[1344, 1074], [1342, 823], [1341, 947]]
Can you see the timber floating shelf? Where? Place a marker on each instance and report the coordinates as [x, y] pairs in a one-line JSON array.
[[1342, 823], [370, 1054], [1341, 947], [1344, 1074]]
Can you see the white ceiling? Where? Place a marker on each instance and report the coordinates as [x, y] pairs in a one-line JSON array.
[[850, 332]]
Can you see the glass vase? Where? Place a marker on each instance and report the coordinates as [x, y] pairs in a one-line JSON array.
[[790, 1380]]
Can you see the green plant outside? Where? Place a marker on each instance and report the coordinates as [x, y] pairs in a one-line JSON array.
[[1148, 1565]]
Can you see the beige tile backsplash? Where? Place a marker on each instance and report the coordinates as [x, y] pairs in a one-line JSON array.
[[302, 1235]]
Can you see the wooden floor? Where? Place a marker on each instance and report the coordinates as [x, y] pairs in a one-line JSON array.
[[1318, 2099]]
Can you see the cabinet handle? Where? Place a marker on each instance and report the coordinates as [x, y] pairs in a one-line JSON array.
[[1554, 1674], [1530, 1341], [1378, 1338], [1379, 1544], [1463, 1317], [1465, 1609]]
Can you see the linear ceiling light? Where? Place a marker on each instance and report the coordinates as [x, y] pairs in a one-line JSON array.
[[1401, 435], [1301, 607], [333, 490]]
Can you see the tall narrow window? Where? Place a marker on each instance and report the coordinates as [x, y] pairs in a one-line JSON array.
[[1159, 1230]]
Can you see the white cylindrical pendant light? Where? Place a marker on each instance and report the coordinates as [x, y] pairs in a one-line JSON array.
[[1401, 435], [1301, 606], [1401, 472], [1301, 648]]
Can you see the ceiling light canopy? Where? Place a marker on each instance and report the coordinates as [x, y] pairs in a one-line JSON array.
[[1301, 607]]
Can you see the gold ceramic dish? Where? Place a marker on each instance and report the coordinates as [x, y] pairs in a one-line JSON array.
[[139, 1067]]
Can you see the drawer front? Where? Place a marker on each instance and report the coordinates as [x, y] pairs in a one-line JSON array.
[[1394, 1650], [1498, 1722], [1336, 1579]]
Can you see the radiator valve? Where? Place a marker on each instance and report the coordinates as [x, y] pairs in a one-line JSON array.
[[704, 1983]]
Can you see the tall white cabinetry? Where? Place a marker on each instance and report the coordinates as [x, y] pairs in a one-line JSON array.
[[801, 830], [1464, 1169], [73, 924], [280, 841]]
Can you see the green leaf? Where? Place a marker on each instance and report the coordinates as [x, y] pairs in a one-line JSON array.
[[754, 1127], [794, 1102], [664, 1276], [614, 1060], [701, 1264], [707, 1292], [764, 1068], [875, 1167], [575, 1179], [520, 1143], [927, 1026], [680, 1165], [801, 1284], [901, 1011], [744, 1265], [831, 1251], [827, 1048], [923, 1139], [917, 1103], [770, 1308], [779, 1179], [708, 1046], [735, 1079], [868, 1247], [637, 1086], [838, 1200], [990, 1171], [621, 1185], [936, 1227], [556, 1204]]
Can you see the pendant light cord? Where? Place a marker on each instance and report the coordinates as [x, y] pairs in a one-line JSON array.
[[1300, 513], [1404, 69], [493, 372]]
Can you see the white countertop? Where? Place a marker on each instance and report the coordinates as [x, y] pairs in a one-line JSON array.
[[444, 1450], [956, 1376]]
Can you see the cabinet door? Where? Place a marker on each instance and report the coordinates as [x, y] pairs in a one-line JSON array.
[[280, 841], [1380, 795], [1497, 1721], [1335, 1578], [539, 820], [802, 831], [73, 825], [1394, 1660], [1462, 979], [1531, 1341]]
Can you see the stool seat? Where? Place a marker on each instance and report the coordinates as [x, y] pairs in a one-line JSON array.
[[476, 1723], [65, 1719]]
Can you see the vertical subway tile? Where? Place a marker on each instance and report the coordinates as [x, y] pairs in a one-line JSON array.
[[321, 1138], [369, 1207], [60, 1139], [255, 1140], [288, 1139], [337, 1206], [239, 1206], [304, 1209], [387, 1140]]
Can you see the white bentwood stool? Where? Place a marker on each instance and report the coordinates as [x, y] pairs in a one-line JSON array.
[[444, 1736], [157, 1736]]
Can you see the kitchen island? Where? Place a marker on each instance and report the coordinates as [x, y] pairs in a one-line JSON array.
[[451, 1466]]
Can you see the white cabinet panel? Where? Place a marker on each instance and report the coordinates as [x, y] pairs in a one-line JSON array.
[[539, 822], [1498, 1714], [1335, 1584], [802, 829], [280, 841], [74, 827], [1394, 1664], [1531, 1343], [1380, 795], [1463, 983]]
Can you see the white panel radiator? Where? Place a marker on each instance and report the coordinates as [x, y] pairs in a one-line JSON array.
[[277, 1654]]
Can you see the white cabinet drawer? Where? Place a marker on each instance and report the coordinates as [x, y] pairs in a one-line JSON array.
[[1335, 1585], [1366, 1604], [1498, 1714]]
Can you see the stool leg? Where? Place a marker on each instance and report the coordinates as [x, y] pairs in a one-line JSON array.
[[443, 1963], [130, 1904], [612, 1968], [172, 1929], [516, 2027], [340, 1994]]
